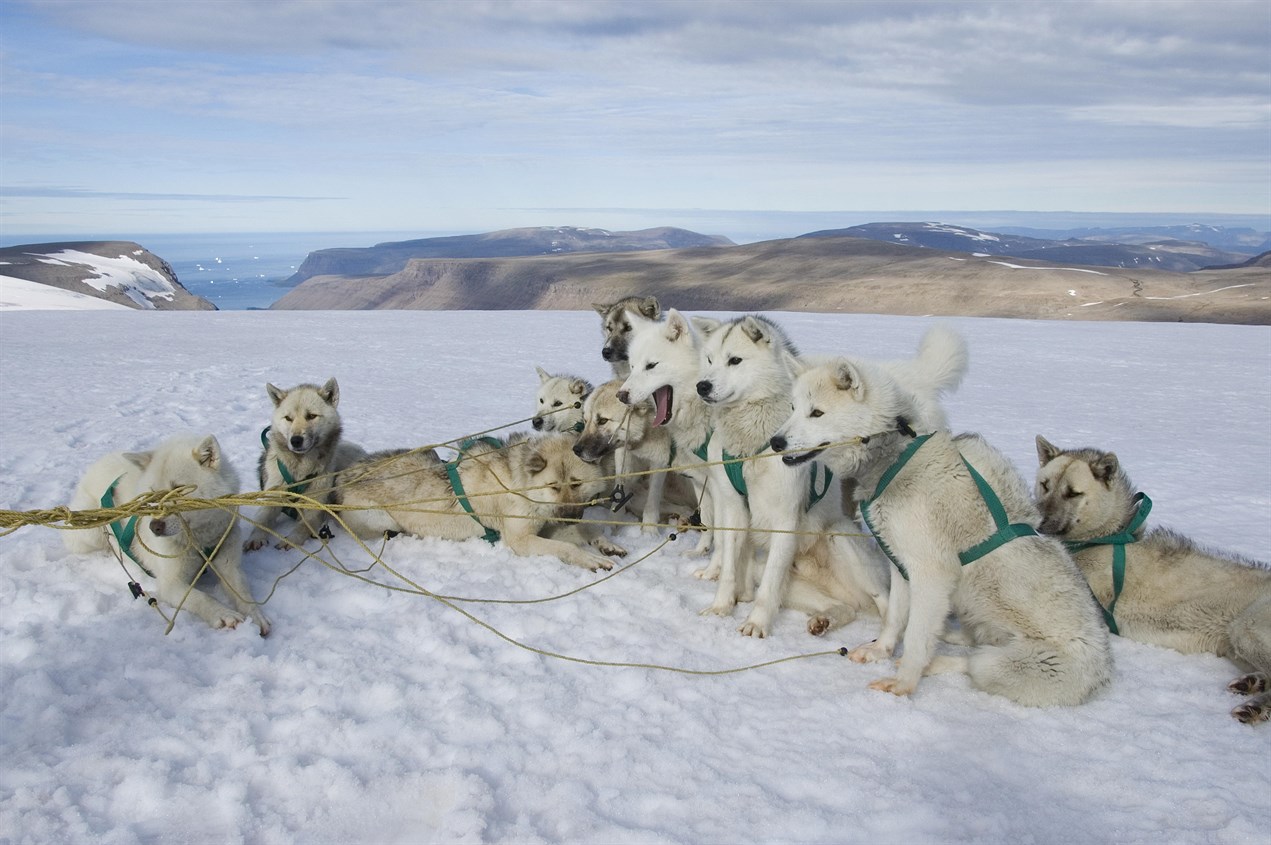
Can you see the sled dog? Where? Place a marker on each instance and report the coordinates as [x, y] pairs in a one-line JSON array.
[[611, 428], [1036, 636], [664, 368], [514, 490], [302, 451], [559, 403], [1174, 594], [173, 549], [746, 379], [616, 323]]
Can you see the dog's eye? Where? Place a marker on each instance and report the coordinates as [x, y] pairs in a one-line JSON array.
[[289, 418], [734, 361], [816, 412], [1045, 485], [574, 484], [310, 416], [709, 360], [556, 404], [650, 365], [1072, 494], [626, 327], [602, 421]]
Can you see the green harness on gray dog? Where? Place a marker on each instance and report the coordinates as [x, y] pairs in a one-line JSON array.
[[456, 484], [1118, 542], [291, 485], [1006, 530]]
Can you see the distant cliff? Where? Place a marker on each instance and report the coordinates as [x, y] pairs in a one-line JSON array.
[[391, 257], [122, 272]]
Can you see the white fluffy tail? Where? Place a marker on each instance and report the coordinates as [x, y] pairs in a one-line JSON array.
[[941, 363]]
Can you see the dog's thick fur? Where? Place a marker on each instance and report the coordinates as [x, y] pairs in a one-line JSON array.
[[558, 405], [306, 436], [1036, 635], [173, 547], [617, 323], [517, 490], [1175, 594]]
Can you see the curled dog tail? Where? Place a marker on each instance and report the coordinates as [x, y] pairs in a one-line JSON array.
[[942, 361]]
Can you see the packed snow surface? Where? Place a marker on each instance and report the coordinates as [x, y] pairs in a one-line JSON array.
[[371, 715], [21, 294]]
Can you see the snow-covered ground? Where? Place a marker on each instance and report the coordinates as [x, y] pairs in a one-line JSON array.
[[378, 716]]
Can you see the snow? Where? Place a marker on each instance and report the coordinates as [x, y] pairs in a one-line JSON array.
[[21, 294], [140, 282], [379, 716], [1026, 267], [970, 234]]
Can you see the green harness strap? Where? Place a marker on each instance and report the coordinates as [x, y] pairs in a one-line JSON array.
[[1118, 542], [452, 471], [125, 531], [700, 451], [733, 466], [1006, 530], [291, 485]]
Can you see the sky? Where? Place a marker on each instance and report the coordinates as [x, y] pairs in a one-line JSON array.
[[323, 115]]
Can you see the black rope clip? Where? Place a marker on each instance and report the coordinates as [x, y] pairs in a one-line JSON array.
[[695, 519], [135, 589], [619, 498], [325, 533]]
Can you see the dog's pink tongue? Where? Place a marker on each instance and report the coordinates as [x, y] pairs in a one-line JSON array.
[[662, 403]]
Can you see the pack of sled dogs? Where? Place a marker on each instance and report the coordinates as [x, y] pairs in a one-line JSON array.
[[829, 485]]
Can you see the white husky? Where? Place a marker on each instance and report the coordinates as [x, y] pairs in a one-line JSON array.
[[303, 450], [617, 323], [558, 406], [1174, 593], [1036, 634], [509, 491], [795, 512], [173, 549]]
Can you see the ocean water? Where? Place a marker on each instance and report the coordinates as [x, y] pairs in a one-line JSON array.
[[236, 271]]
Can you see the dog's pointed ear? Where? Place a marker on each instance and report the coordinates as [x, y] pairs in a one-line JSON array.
[[141, 460], [847, 377], [543, 375], [676, 326], [580, 387], [706, 325], [602, 310], [276, 394], [208, 452], [649, 308], [330, 392], [535, 463], [1104, 469], [1046, 451], [754, 329], [795, 365]]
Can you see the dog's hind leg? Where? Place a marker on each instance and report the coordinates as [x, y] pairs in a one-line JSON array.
[[825, 613]]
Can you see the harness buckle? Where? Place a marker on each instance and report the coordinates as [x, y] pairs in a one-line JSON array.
[[619, 498]]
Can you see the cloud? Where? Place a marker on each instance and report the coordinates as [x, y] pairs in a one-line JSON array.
[[53, 192]]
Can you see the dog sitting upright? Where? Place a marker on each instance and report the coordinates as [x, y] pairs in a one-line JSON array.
[[173, 549], [1174, 593], [303, 450], [616, 325]]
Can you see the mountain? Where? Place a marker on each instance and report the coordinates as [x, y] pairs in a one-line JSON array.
[[822, 274], [1231, 239], [121, 272], [1159, 253], [383, 259]]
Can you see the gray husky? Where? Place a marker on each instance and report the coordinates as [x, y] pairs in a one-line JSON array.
[[615, 320], [1173, 593]]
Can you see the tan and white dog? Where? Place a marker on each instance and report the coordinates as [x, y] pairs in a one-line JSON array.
[[173, 549], [303, 449], [515, 490], [1175, 593], [1036, 635], [617, 322]]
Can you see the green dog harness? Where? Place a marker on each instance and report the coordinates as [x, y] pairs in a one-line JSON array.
[[456, 484], [1006, 530], [125, 531], [1118, 542], [733, 467], [290, 484]]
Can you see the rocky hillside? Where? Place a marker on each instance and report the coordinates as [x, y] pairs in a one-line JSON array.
[[391, 257], [824, 274], [122, 272]]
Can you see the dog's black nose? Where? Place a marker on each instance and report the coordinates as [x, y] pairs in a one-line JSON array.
[[624, 397], [537, 422], [703, 388], [607, 353], [778, 443], [297, 442], [158, 527]]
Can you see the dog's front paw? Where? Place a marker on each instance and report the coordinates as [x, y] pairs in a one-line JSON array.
[[751, 628], [257, 541], [1254, 710], [608, 547], [263, 623], [895, 686], [595, 562], [1251, 684], [226, 619], [718, 609], [708, 573], [871, 652]]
